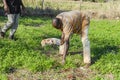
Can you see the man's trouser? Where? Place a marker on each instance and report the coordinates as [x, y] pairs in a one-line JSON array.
[[11, 23]]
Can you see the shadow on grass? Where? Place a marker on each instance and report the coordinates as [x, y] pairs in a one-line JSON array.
[[33, 13], [49, 12], [31, 21], [101, 51], [74, 53]]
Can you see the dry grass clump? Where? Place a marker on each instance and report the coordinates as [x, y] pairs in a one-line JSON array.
[[108, 10], [66, 74]]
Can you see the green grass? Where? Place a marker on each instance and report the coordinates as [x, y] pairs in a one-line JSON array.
[[26, 52]]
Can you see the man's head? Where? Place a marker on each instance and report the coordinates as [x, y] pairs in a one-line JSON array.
[[57, 23]]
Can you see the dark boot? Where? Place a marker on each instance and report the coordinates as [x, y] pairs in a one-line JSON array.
[[11, 37], [2, 34]]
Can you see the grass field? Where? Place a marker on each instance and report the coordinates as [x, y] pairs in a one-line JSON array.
[[25, 59]]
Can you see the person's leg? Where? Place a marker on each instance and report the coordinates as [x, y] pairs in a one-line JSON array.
[[14, 27], [86, 46], [64, 46], [9, 23]]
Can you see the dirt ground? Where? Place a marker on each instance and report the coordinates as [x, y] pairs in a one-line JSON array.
[[67, 74]]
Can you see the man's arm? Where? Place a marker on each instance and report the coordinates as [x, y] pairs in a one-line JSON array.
[[22, 6], [6, 8]]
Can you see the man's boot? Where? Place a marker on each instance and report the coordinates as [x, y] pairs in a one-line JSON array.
[[2, 34], [11, 37]]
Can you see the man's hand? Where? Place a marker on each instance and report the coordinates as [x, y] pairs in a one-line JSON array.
[[23, 10], [6, 8]]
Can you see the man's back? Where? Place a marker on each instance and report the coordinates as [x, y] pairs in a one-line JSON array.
[[72, 21]]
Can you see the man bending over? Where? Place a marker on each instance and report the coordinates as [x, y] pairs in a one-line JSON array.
[[69, 23]]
